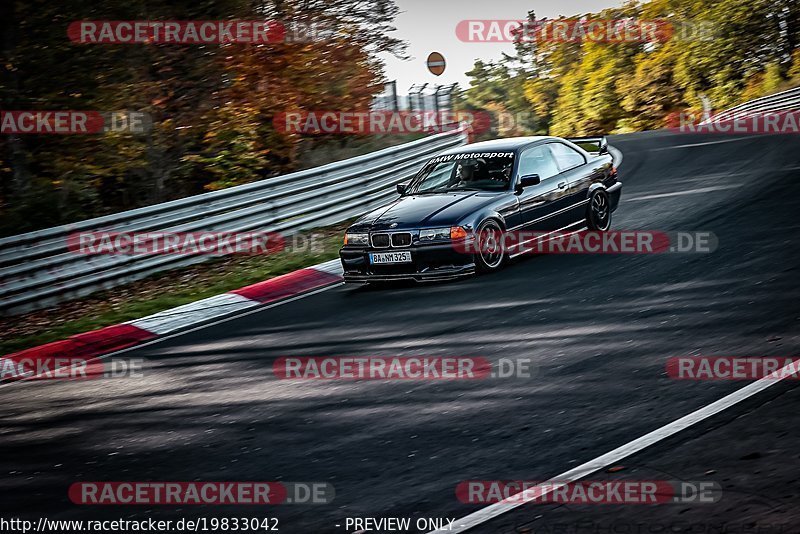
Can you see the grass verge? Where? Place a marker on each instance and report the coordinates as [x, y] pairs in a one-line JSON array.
[[163, 291]]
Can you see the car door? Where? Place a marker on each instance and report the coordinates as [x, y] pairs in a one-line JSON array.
[[573, 169], [539, 204]]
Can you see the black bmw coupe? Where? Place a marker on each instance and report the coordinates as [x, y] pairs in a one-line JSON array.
[[477, 193]]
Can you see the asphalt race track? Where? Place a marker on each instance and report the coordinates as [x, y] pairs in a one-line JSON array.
[[600, 329]]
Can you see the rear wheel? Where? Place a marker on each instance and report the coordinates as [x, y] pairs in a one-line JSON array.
[[598, 216], [491, 254]]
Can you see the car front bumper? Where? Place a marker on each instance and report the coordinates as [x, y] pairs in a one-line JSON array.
[[429, 262]]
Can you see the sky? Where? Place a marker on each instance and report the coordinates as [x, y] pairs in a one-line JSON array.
[[430, 26]]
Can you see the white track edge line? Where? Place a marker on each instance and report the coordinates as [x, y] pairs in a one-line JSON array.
[[492, 511]]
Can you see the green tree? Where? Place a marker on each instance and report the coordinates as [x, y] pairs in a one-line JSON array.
[[650, 93]]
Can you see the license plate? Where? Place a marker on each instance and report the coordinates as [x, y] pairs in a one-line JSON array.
[[390, 257]]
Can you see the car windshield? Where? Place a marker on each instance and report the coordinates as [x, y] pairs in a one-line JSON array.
[[489, 171]]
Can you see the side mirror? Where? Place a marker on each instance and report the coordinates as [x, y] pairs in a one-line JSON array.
[[603, 147], [401, 188], [527, 181]]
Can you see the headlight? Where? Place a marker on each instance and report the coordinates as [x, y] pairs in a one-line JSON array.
[[356, 239], [434, 233], [431, 234]]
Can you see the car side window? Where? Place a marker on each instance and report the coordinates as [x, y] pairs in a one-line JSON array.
[[566, 157], [538, 160]]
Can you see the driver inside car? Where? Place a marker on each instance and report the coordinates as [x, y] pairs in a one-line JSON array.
[[470, 171]]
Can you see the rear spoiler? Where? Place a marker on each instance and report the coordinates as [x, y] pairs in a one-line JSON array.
[[594, 145]]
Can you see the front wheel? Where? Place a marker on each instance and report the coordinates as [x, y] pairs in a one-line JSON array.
[[491, 254], [598, 216]]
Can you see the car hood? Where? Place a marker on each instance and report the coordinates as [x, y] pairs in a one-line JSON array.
[[432, 210]]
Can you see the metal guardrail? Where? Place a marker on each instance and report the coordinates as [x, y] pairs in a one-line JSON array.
[[783, 101], [37, 269]]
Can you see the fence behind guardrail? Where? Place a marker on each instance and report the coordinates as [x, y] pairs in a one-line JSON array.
[[783, 101]]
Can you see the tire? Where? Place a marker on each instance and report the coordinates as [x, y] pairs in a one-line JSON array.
[[598, 213], [490, 256]]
